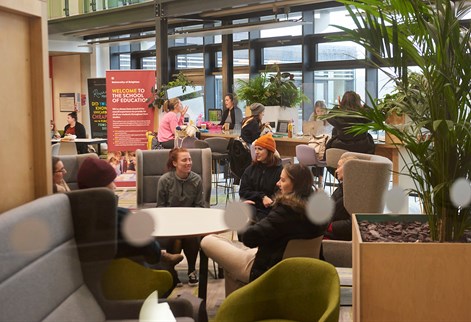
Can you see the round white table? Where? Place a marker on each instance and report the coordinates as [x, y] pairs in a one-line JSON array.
[[189, 222]]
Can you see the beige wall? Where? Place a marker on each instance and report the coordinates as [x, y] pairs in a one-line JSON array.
[[25, 148], [66, 78]]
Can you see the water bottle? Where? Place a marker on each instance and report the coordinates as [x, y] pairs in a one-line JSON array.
[[199, 120]]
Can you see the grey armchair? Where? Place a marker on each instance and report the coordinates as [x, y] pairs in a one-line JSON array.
[[152, 164], [365, 180], [54, 274]]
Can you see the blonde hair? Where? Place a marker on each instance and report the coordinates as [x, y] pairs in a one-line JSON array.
[[169, 105]]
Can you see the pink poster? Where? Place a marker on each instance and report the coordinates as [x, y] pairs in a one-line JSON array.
[[128, 120], [129, 117]]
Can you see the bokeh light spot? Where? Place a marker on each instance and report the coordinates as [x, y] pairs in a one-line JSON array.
[[320, 208], [237, 215], [460, 193], [30, 236], [137, 228], [395, 199]]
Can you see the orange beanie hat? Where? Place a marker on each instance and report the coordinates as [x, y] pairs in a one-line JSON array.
[[266, 141]]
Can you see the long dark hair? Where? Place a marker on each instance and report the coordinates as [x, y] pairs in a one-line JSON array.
[[173, 157], [350, 101], [232, 98], [302, 179]]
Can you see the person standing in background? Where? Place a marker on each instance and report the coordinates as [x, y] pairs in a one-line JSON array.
[[76, 128], [174, 116]]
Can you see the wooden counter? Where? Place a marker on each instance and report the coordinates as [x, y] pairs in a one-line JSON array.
[[287, 148]]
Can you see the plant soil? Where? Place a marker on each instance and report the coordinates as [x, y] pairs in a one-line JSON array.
[[399, 232]]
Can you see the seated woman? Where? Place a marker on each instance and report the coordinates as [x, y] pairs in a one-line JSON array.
[[340, 227], [229, 115], [321, 126], [173, 117], [94, 173], [252, 125], [76, 128], [362, 143], [268, 238], [180, 187], [58, 171], [258, 183]]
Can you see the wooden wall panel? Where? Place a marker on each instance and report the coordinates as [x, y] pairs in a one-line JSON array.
[[25, 149]]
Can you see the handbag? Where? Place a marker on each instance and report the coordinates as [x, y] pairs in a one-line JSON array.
[[318, 142]]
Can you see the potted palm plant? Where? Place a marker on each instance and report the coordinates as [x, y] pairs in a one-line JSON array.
[[419, 281]]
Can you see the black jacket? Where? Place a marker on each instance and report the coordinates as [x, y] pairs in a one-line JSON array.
[[341, 220], [259, 181], [251, 131], [271, 234], [362, 143], [81, 134], [224, 116]]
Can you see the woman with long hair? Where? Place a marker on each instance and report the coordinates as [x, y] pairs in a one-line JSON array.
[[252, 125], [341, 139], [174, 116], [181, 187], [267, 239], [229, 114]]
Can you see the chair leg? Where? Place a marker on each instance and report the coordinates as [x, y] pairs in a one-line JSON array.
[[215, 182]]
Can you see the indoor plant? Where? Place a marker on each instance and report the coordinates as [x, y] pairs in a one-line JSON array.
[[425, 281], [160, 95], [437, 135], [271, 90]]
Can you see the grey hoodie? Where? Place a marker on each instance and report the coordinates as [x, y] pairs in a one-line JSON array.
[[173, 191]]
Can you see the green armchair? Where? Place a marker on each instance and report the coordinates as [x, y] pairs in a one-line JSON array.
[[296, 289]]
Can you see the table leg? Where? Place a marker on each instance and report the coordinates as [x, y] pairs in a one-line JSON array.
[[203, 275]]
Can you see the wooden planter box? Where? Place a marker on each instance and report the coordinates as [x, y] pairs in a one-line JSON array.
[[410, 281]]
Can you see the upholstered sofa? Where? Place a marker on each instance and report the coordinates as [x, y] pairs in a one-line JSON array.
[[53, 253], [152, 164]]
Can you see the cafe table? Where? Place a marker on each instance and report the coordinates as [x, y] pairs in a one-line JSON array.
[[181, 222], [87, 141]]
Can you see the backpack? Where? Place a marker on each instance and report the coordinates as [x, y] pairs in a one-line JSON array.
[[319, 142], [239, 157]]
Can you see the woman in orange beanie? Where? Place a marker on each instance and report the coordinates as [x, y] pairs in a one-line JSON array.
[[258, 183]]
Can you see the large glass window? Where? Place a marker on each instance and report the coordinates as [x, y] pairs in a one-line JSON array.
[[324, 20], [282, 54], [149, 63], [296, 30], [124, 61], [241, 58], [185, 61], [342, 50], [329, 85]]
